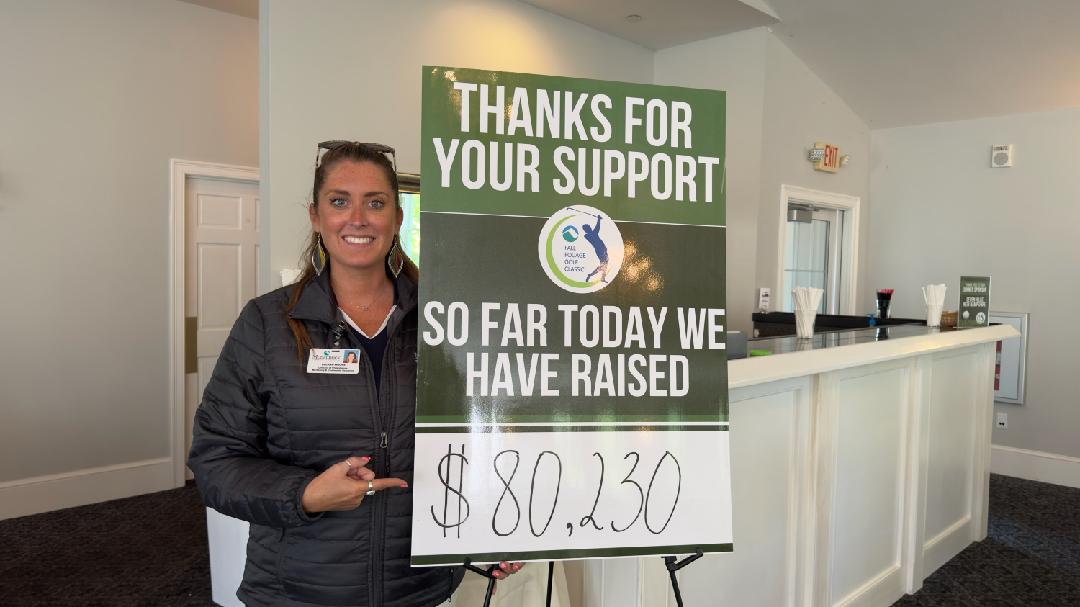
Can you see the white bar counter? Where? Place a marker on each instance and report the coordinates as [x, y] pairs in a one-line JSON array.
[[860, 464]]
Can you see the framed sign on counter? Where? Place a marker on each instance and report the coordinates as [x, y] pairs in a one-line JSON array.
[[974, 302]]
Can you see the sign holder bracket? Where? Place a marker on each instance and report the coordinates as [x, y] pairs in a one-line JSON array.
[[670, 563], [673, 565], [489, 573]]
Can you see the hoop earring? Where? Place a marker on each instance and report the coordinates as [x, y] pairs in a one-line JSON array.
[[394, 259], [318, 257]]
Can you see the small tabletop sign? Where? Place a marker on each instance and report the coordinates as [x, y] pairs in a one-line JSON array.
[[974, 302]]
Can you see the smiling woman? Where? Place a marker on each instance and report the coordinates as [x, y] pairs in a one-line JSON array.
[[318, 456]]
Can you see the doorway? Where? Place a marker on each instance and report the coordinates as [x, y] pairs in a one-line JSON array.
[[818, 247], [214, 271]]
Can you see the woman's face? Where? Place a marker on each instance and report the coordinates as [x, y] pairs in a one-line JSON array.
[[357, 215]]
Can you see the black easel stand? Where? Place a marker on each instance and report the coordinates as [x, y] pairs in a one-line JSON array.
[[673, 566], [489, 573]]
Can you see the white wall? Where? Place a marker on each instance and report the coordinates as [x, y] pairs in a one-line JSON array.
[[97, 96], [940, 211], [777, 109], [799, 110], [734, 63], [352, 70]]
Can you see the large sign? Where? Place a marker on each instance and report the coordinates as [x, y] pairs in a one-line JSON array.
[[572, 383]]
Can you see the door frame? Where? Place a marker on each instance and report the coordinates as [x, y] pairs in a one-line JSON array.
[[179, 171], [849, 247]]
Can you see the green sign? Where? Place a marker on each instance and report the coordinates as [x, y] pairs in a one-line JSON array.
[[572, 381], [974, 302]]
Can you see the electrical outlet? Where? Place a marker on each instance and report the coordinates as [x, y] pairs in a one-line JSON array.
[[1003, 420]]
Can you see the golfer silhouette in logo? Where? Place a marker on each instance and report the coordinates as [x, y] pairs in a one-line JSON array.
[[592, 235]]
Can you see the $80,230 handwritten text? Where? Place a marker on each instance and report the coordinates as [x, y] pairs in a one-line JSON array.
[[638, 499]]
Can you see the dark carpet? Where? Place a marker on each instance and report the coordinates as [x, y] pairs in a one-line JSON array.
[[144, 551], [151, 551], [1030, 558]]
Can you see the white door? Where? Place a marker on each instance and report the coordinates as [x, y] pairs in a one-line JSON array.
[[221, 222]]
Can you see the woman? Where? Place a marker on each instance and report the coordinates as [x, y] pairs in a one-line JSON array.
[[319, 463]]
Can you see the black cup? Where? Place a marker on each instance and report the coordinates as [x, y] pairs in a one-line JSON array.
[[883, 301]]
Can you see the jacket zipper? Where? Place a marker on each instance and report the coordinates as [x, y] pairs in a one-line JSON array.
[[375, 560], [384, 395], [381, 467]]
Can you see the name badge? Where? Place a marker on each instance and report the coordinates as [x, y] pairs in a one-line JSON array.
[[334, 361]]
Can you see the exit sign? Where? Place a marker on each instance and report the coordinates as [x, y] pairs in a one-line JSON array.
[[830, 161]]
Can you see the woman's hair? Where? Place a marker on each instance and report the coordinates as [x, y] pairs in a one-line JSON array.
[[356, 152]]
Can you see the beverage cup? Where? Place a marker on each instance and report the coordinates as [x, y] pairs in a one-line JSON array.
[[883, 308]]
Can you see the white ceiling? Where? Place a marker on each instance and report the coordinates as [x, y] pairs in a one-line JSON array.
[[895, 62], [899, 63], [663, 24], [244, 8]]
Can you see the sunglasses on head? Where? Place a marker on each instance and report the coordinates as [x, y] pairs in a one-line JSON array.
[[335, 144]]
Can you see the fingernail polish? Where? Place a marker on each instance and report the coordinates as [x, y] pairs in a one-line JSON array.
[[404, 485]]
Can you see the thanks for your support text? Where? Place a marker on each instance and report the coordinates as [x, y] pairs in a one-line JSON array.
[[589, 171]]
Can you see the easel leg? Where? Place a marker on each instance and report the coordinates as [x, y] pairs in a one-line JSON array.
[[551, 574], [490, 591]]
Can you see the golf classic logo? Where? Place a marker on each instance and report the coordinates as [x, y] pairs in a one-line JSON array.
[[581, 249]]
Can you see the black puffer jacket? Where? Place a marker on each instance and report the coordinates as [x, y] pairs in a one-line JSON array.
[[266, 428]]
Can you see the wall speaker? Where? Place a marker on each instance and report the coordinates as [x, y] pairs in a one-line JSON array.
[[1001, 156]]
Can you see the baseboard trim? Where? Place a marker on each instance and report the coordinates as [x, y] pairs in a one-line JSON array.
[[80, 487], [884, 589], [944, 546], [1035, 465]]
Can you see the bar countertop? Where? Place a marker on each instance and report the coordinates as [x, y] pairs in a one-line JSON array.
[[831, 350]]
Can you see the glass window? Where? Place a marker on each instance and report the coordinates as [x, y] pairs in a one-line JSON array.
[[811, 256], [410, 225]]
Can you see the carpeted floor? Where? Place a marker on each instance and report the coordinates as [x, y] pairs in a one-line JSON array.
[[150, 551], [1030, 558], [145, 551]]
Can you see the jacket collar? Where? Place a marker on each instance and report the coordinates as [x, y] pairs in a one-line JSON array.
[[317, 301]]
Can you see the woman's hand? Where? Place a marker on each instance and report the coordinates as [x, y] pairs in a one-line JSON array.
[[343, 486], [505, 570]]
